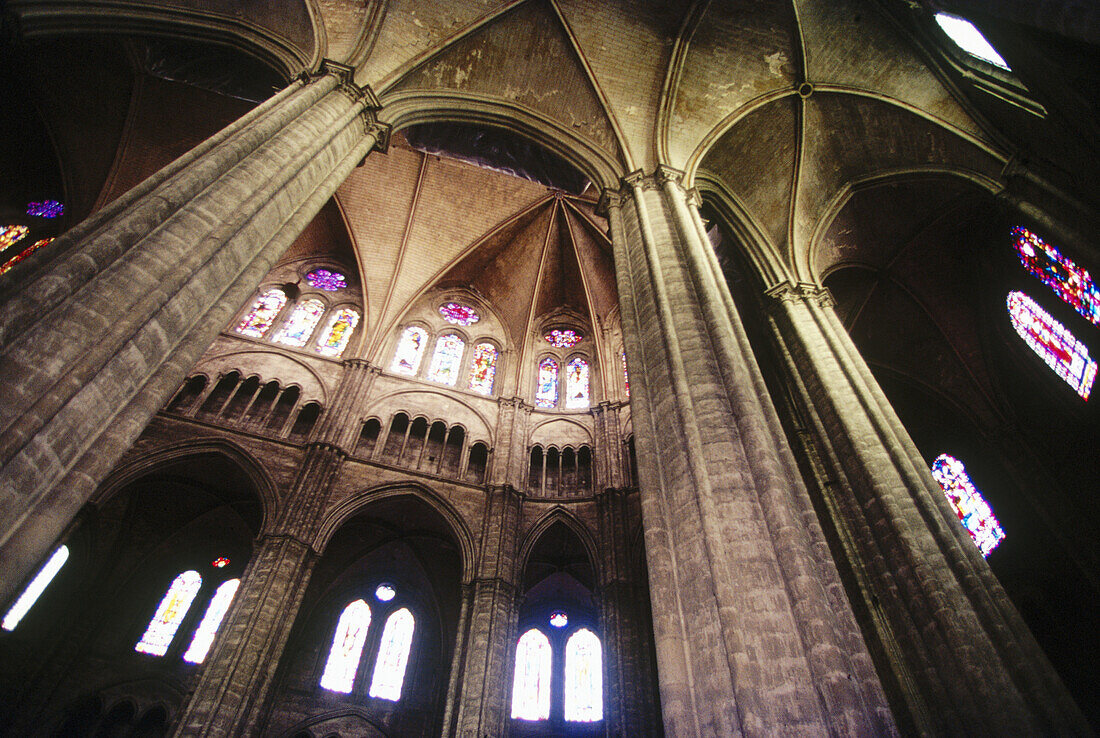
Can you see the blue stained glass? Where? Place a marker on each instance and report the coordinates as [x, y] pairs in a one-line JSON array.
[[45, 209], [1053, 342], [973, 511], [546, 389], [483, 368], [334, 338], [1069, 281], [299, 326], [323, 279], [447, 359], [262, 314]]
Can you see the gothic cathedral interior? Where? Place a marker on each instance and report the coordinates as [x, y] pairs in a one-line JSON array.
[[549, 368]]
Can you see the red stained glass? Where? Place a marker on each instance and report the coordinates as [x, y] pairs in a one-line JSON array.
[[459, 314], [1069, 281], [563, 338], [1053, 342]]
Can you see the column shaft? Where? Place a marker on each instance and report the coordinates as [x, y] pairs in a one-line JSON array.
[[745, 606], [961, 644], [109, 331]]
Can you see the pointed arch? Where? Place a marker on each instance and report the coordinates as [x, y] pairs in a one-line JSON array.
[[132, 470], [350, 506], [558, 514]]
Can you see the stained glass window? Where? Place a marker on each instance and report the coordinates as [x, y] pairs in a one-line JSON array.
[[45, 209], [559, 619], [323, 279], [211, 621], [546, 390], [531, 686], [347, 647], [1069, 281], [1053, 342], [459, 314], [162, 628], [220, 563], [262, 314], [583, 677], [393, 656], [626, 377], [970, 506], [36, 587], [563, 338], [299, 326], [7, 265], [968, 38], [406, 360], [334, 338], [483, 368], [447, 359], [385, 592], [576, 383], [10, 234]]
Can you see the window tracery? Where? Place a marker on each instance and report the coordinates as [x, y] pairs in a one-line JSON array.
[[549, 688], [563, 337], [583, 678], [327, 280], [459, 314], [1053, 343]]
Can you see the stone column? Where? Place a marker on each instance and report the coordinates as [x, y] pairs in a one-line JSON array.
[[98, 334], [513, 416], [607, 462], [956, 642], [481, 674], [752, 630]]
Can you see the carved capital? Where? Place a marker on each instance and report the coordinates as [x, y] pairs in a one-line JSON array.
[[787, 292], [665, 174], [608, 199]]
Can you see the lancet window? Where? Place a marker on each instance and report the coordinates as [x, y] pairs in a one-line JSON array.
[[8, 265], [549, 688], [35, 588], [969, 504], [447, 359], [1069, 281], [212, 619], [262, 313], [1053, 342], [546, 388], [299, 326], [355, 636], [576, 384], [334, 338], [483, 368], [410, 350]]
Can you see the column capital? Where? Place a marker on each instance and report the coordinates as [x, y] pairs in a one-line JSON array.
[[665, 174], [787, 292], [517, 402], [609, 199]]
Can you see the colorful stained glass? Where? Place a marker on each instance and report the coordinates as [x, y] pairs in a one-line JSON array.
[[973, 511], [1069, 281], [1053, 342], [177, 600], [385, 592], [531, 686], [299, 326], [36, 587], [323, 279], [483, 368], [563, 338], [347, 647], [11, 234], [576, 383], [459, 314], [559, 619], [220, 563], [968, 38], [583, 677], [211, 621], [447, 359], [7, 265], [393, 656], [45, 209], [546, 390], [334, 338], [262, 314], [406, 360], [626, 376]]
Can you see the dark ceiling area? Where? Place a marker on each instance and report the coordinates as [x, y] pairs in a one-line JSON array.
[[499, 150]]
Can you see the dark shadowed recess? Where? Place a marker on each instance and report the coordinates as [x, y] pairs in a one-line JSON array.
[[499, 150], [214, 68]]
